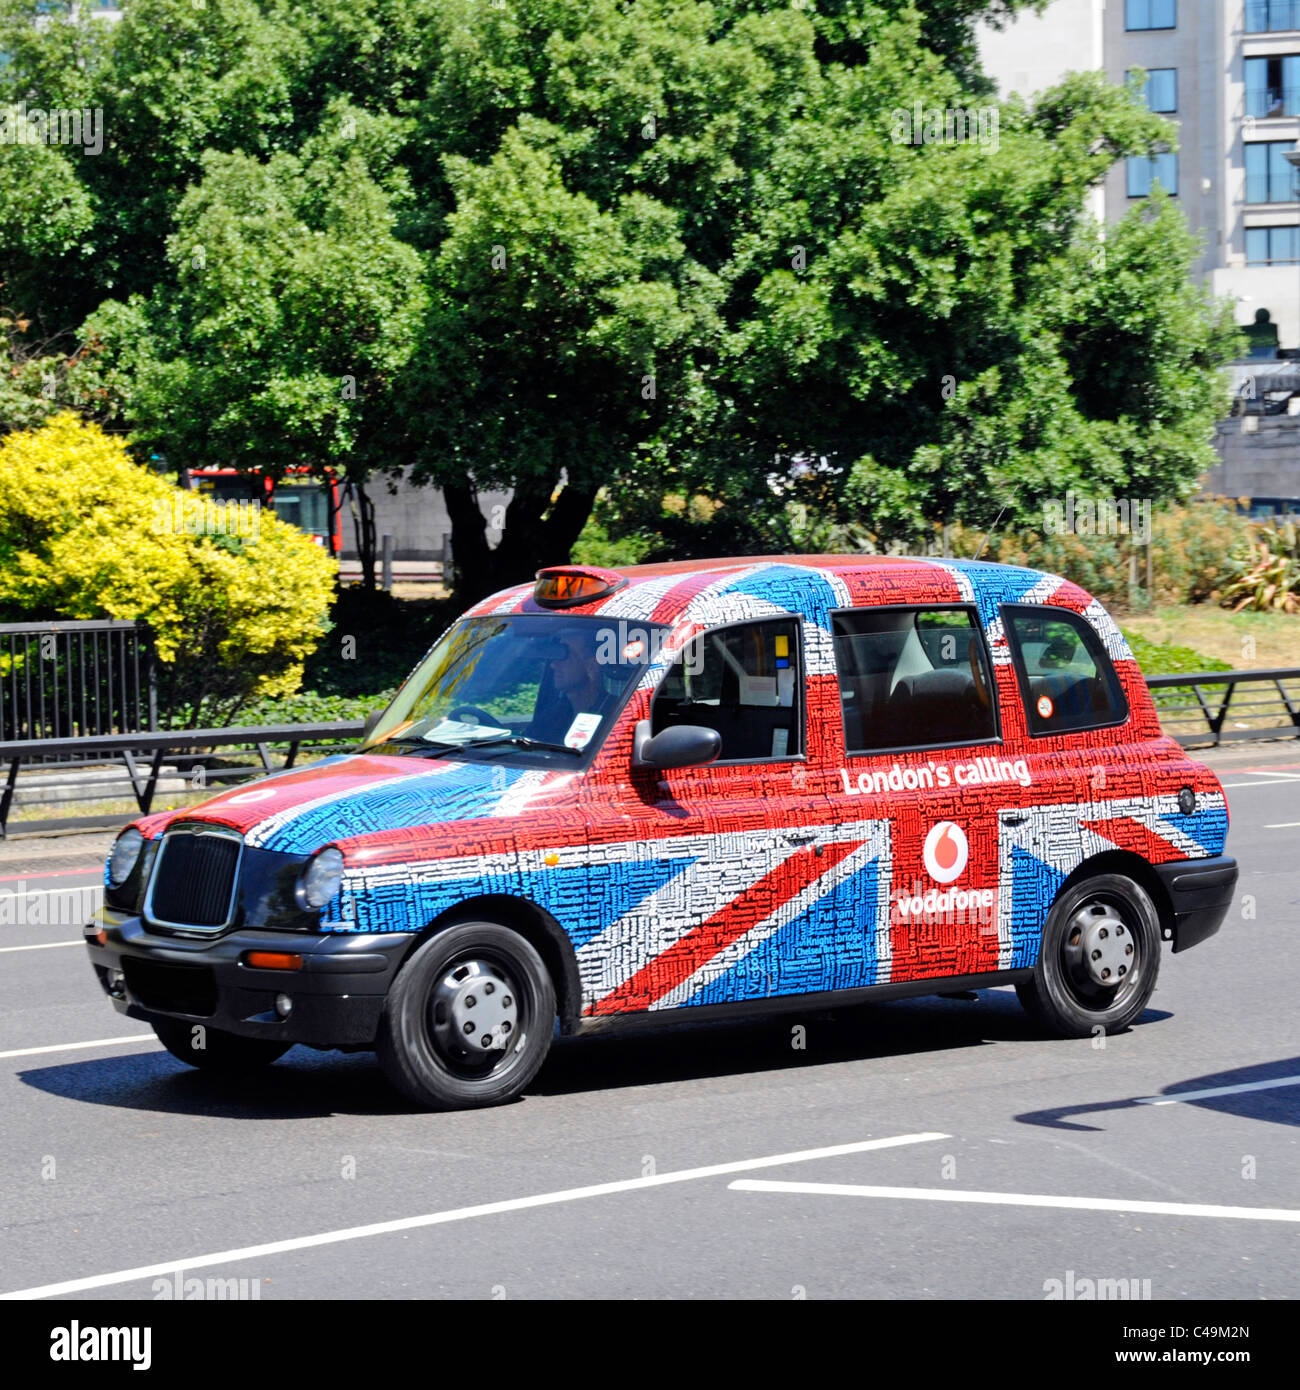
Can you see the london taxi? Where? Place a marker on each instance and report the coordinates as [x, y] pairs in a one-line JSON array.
[[677, 791]]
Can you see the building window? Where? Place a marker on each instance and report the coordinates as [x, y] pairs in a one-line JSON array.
[[1272, 245], [1161, 90], [1269, 178], [1273, 86], [1150, 14], [1268, 16], [1145, 171]]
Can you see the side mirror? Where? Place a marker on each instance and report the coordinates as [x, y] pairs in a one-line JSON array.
[[372, 719], [683, 745]]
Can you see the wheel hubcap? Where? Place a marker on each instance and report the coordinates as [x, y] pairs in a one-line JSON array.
[[475, 1012], [1100, 949]]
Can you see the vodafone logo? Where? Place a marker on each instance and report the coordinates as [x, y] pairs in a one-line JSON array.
[[945, 852]]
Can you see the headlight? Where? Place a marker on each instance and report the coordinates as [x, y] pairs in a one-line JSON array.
[[126, 851], [320, 879]]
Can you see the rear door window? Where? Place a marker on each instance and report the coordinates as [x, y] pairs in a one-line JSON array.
[[1066, 679], [912, 678]]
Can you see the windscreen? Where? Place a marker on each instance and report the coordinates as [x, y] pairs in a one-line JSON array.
[[543, 684]]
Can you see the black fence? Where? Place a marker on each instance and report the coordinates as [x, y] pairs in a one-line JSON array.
[[1267, 707], [75, 680]]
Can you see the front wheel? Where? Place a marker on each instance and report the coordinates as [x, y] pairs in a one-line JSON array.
[[211, 1050], [1098, 961], [469, 1019]]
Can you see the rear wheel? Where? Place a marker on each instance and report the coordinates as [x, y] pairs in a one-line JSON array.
[[210, 1049], [469, 1019], [1099, 958]]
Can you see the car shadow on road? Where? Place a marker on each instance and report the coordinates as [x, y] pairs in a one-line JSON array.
[[1276, 1104], [302, 1085], [308, 1085]]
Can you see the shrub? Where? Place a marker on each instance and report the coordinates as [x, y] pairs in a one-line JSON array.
[[87, 533]]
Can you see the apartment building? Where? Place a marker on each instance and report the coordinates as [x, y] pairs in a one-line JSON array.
[[1227, 73]]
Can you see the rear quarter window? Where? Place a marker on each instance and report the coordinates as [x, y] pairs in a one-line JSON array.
[[1067, 681]]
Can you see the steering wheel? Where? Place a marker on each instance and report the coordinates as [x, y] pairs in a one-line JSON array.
[[977, 675], [480, 716]]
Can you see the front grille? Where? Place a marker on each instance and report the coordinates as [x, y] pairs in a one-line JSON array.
[[176, 989], [194, 879]]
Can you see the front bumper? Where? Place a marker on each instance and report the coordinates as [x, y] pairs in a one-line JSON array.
[[1200, 894], [338, 994]]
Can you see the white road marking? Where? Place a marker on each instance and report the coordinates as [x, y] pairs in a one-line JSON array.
[[1283, 825], [73, 1047], [42, 946], [411, 1223], [1264, 781], [1178, 1097], [1019, 1199]]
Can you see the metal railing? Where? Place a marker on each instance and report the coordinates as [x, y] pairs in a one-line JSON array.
[[1198, 721], [62, 680], [191, 749], [1280, 705], [1264, 103]]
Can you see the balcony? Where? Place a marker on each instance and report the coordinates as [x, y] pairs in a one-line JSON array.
[[1273, 101]]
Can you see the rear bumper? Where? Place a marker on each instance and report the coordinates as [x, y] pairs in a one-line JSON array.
[[338, 994], [1200, 893]]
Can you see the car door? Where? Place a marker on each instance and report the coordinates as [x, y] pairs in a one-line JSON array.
[[922, 758], [747, 832]]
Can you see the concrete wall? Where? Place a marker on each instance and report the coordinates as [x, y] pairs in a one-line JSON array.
[[1260, 457], [416, 518]]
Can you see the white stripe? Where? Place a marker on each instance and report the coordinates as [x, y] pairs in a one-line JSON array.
[[1283, 825], [42, 946], [1265, 782], [1180, 1096], [412, 1223], [74, 1047], [40, 892], [1018, 1199]]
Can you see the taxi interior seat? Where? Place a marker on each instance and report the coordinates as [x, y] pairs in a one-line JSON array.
[[937, 707]]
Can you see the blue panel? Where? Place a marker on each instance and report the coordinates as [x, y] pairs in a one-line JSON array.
[[1034, 886], [830, 946]]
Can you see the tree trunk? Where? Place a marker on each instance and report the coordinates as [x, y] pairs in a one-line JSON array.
[[363, 523], [537, 532]]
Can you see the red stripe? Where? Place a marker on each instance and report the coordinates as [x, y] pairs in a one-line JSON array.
[[1131, 834], [685, 956]]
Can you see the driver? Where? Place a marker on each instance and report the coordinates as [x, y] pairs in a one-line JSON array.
[[575, 683]]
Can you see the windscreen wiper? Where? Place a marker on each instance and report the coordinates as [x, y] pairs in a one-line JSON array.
[[523, 741], [415, 741]]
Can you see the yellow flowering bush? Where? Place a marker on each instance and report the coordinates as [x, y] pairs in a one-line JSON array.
[[87, 533]]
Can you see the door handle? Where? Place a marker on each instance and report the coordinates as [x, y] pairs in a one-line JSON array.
[[800, 837], [1014, 817]]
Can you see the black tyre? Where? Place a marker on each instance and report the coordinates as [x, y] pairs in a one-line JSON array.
[[211, 1050], [468, 1020], [1099, 958]]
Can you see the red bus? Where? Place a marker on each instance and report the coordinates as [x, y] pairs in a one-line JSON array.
[[300, 499]]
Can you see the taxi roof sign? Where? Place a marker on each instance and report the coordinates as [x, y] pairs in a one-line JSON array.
[[569, 586]]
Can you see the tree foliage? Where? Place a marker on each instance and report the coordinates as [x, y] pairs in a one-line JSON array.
[[87, 533], [632, 249]]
